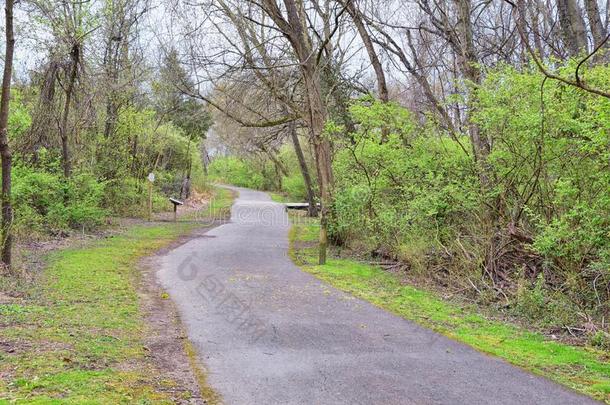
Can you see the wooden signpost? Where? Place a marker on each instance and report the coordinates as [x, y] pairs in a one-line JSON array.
[[176, 204], [151, 180]]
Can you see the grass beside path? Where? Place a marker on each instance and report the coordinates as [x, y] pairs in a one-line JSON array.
[[581, 368], [278, 197], [77, 337]]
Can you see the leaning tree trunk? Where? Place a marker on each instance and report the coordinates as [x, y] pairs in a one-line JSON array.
[[5, 152], [312, 208], [382, 86], [280, 167]]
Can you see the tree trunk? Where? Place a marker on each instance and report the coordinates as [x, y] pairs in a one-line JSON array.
[[65, 151], [5, 152], [481, 146], [295, 30], [312, 209], [534, 12], [598, 30], [111, 67], [468, 61], [134, 156], [572, 26], [322, 149], [186, 179], [205, 158], [111, 115], [382, 86], [279, 165]]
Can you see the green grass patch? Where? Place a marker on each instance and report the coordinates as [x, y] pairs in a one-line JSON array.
[[584, 369], [220, 203], [78, 337], [278, 197]]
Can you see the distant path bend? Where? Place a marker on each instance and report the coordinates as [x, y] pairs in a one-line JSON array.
[[269, 333]]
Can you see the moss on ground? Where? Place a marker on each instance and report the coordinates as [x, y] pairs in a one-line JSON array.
[[583, 369], [78, 336]]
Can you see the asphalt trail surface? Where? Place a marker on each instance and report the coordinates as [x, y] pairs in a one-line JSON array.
[[269, 333]]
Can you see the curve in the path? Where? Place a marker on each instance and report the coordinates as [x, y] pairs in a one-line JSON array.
[[269, 333]]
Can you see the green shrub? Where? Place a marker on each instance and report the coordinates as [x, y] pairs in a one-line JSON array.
[[129, 197], [566, 146], [415, 193], [236, 171], [388, 193], [294, 186], [46, 202], [600, 339]]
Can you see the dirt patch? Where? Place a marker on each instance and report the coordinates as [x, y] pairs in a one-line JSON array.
[[7, 299], [9, 347], [166, 339]]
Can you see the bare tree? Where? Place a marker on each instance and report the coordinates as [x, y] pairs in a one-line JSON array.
[[5, 151], [264, 68], [119, 32], [293, 27]]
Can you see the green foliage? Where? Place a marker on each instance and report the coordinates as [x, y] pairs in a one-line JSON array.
[[163, 149], [557, 142], [547, 308], [19, 117], [109, 173], [260, 172], [411, 192], [294, 187], [236, 171], [601, 340], [389, 192], [373, 117], [46, 202], [550, 157]]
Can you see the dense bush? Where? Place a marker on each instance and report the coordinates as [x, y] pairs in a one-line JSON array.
[[413, 193], [411, 190], [46, 202], [260, 174], [551, 156], [554, 162], [109, 174], [236, 171]]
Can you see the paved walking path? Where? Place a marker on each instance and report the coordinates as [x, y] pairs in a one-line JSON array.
[[269, 333]]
